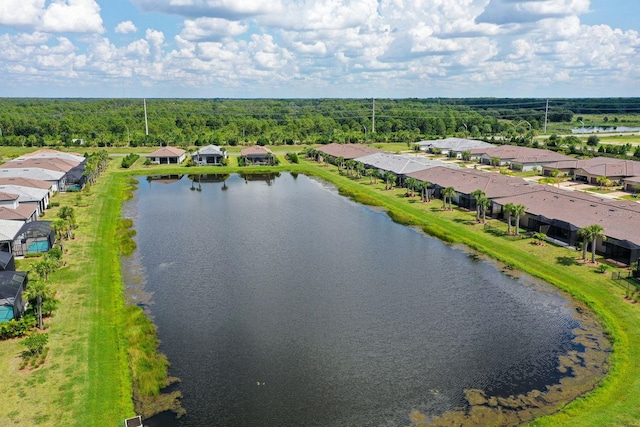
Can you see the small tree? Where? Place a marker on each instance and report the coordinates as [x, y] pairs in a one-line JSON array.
[[477, 195], [593, 141], [35, 343], [508, 209], [448, 194], [518, 211]]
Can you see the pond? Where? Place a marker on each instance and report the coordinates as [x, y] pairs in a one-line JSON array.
[[281, 303]]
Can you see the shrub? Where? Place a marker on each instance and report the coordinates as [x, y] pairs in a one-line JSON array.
[[35, 343], [16, 328], [292, 157], [602, 268], [129, 160]]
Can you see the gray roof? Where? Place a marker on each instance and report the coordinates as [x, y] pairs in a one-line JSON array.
[[401, 164], [9, 229], [209, 150], [454, 144], [32, 173], [25, 194]]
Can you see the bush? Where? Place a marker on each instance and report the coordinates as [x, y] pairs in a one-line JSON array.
[[292, 157], [602, 268], [16, 328], [129, 160], [35, 343]]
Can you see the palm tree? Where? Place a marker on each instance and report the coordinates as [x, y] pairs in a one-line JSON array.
[[477, 194], [518, 211], [449, 193], [411, 184], [602, 180], [37, 290], [591, 233], [390, 179], [466, 155], [508, 209], [484, 204], [425, 191], [340, 163]]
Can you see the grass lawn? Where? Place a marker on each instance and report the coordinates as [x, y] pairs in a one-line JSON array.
[[86, 379]]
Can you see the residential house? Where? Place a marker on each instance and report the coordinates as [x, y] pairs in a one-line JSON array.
[[466, 181], [167, 155], [589, 170], [400, 165], [632, 184], [257, 155], [518, 158], [560, 214], [9, 231], [57, 179], [452, 147], [209, 155], [28, 196], [11, 209], [331, 152]]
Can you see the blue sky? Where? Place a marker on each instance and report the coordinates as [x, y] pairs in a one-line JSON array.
[[321, 48]]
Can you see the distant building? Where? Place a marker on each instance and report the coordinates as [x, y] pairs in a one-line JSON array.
[[167, 155]]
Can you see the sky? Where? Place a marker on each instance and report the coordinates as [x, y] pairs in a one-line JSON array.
[[319, 48]]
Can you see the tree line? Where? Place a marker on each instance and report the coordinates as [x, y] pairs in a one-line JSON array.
[[121, 122]]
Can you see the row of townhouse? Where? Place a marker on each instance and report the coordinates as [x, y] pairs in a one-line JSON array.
[[27, 184], [558, 213]]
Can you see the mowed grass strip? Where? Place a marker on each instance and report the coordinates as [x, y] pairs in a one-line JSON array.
[[85, 380]]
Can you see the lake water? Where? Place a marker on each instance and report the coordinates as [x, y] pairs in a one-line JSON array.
[[281, 303]]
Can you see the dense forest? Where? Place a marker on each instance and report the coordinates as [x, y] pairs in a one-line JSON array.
[[121, 122]]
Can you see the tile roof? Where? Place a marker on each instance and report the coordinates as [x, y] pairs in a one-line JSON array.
[[22, 213], [348, 151], [26, 182], [32, 173], [455, 144], [255, 150], [167, 152], [401, 164], [8, 196], [519, 154], [46, 153], [25, 194], [53, 164], [601, 166], [210, 150], [9, 229], [466, 181]]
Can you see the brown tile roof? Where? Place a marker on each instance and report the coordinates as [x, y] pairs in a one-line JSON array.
[[255, 150], [620, 219], [601, 166], [348, 151], [519, 154], [632, 179], [167, 152], [44, 151], [21, 213], [52, 164], [8, 196], [466, 181], [26, 182]]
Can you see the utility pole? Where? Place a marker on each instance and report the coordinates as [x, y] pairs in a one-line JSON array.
[[146, 123], [373, 117], [546, 114]]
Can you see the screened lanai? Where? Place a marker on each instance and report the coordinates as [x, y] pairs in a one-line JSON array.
[[12, 286], [7, 262], [34, 236]]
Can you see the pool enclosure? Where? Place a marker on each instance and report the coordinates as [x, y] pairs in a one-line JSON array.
[[7, 262], [33, 237], [12, 286]]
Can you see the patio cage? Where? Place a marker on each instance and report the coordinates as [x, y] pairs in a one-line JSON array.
[[7, 262], [33, 237], [12, 286]]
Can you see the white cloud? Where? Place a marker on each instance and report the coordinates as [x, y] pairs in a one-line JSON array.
[[60, 16], [20, 13], [211, 29], [126, 27]]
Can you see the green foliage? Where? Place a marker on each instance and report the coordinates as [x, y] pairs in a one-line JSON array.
[[292, 157], [16, 328], [602, 268], [35, 342], [129, 160]]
